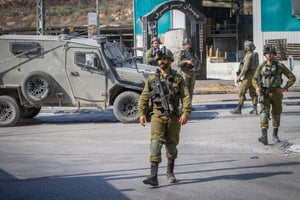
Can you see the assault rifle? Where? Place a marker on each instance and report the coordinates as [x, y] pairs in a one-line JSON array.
[[158, 51], [190, 56], [261, 88], [238, 72], [165, 95]]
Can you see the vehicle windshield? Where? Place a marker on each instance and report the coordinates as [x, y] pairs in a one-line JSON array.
[[116, 52]]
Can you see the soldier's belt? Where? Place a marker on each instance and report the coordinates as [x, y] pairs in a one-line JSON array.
[[270, 90]]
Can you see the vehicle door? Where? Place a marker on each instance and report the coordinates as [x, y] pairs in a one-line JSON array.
[[86, 73]]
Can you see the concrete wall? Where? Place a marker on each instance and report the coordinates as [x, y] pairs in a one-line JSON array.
[[227, 71], [223, 71]]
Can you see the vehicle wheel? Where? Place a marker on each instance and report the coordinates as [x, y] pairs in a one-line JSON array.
[[126, 107], [9, 111], [29, 113], [38, 87]]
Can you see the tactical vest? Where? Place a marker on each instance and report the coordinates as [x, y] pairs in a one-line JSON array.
[[270, 76], [185, 55], [188, 55], [255, 61], [167, 90]]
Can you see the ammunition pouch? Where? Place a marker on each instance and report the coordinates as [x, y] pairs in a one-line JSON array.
[[162, 95]]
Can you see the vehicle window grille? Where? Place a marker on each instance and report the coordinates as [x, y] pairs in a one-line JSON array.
[[28, 48], [87, 60]]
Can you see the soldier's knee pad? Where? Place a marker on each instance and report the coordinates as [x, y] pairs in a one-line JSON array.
[[155, 147], [171, 148], [264, 118]]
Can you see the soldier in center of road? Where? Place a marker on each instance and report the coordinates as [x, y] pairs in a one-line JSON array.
[[164, 91]]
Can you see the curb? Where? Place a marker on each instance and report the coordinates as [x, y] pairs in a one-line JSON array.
[[232, 91], [199, 92]]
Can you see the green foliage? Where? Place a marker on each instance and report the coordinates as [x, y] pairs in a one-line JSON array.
[[13, 14], [105, 9], [111, 19], [56, 10]]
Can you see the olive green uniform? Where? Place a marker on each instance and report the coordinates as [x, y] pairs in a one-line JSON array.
[[271, 79], [250, 63], [165, 129], [186, 71], [151, 56]]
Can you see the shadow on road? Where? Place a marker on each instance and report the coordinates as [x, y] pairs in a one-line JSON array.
[[58, 188], [94, 185], [95, 116]]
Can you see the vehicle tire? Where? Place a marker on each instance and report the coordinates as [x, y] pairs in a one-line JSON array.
[[29, 113], [126, 107], [9, 111], [38, 87]]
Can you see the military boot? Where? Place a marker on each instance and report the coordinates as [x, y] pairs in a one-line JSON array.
[[152, 179], [254, 110], [275, 135], [237, 110], [170, 172], [264, 138]]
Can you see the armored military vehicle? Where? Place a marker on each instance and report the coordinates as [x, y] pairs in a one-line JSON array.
[[67, 71]]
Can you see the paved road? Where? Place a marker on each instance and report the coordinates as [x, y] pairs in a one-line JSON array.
[[88, 155]]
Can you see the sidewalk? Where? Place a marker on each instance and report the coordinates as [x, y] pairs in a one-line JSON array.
[[215, 86], [225, 91]]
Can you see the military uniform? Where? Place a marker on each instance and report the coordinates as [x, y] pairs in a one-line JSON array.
[[151, 53], [151, 57], [165, 129], [186, 69], [247, 69], [271, 79], [163, 93], [268, 80]]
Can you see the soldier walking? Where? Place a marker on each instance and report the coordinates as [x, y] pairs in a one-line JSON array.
[[164, 91], [244, 75], [188, 63], [267, 80]]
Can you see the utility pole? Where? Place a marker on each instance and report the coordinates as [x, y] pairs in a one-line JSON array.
[[40, 12], [98, 21]]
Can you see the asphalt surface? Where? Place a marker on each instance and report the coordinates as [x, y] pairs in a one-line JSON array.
[[88, 155]]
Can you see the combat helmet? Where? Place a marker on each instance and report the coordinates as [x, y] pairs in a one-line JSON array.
[[248, 45], [164, 52], [186, 40], [268, 48], [155, 39]]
